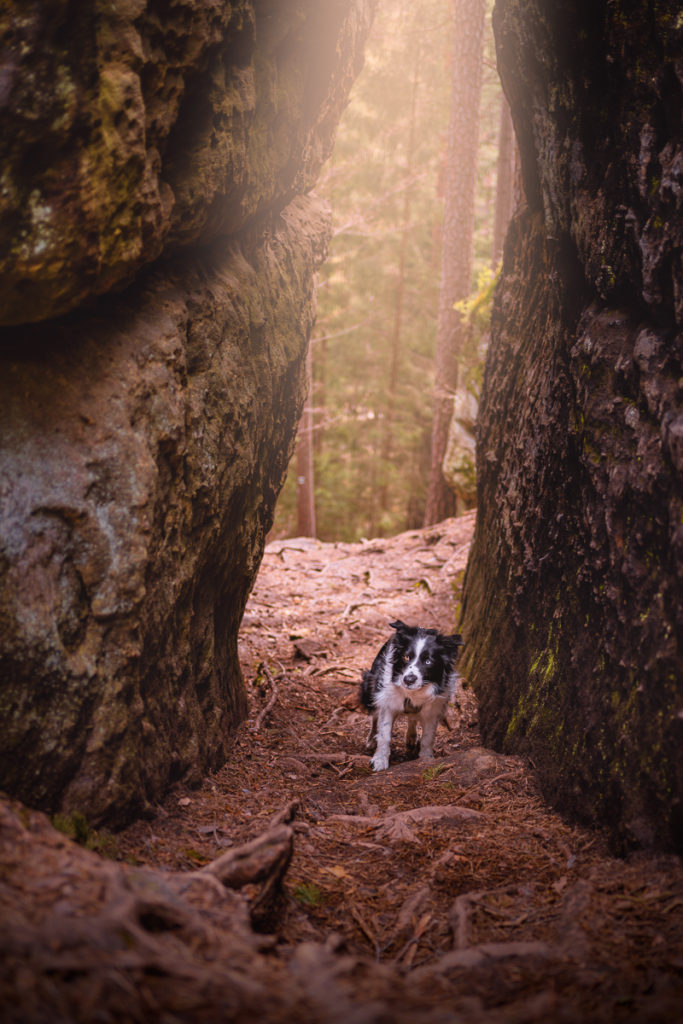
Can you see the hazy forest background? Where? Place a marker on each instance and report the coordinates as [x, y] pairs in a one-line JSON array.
[[424, 141]]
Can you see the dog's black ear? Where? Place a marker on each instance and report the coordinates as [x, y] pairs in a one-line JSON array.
[[400, 626], [451, 643]]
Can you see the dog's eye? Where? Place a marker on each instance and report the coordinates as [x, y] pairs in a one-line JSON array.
[[427, 660], [406, 659]]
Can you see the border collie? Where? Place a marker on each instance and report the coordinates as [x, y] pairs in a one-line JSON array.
[[414, 675]]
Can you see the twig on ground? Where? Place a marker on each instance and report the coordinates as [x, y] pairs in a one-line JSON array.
[[358, 604], [264, 712], [365, 929], [407, 953], [335, 757], [488, 782], [405, 923]]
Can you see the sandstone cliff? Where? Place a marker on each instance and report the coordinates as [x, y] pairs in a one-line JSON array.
[[144, 436], [573, 604]]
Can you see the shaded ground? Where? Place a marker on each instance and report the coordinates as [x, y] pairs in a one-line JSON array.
[[435, 892]]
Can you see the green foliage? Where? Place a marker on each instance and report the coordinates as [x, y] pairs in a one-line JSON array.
[[432, 773], [309, 894], [76, 827], [476, 313], [195, 856], [384, 185]]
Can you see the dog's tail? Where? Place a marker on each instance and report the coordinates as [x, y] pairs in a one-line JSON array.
[[365, 692]]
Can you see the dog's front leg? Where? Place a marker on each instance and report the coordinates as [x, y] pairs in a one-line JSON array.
[[385, 724], [372, 735], [412, 742], [431, 716]]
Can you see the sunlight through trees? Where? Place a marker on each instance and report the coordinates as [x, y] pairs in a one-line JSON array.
[[375, 343]]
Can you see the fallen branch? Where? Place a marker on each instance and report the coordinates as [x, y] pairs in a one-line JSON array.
[[337, 668]]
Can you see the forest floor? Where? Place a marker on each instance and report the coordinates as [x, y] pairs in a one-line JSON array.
[[297, 885]]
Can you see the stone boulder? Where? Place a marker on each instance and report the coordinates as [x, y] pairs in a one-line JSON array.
[[145, 435], [131, 128], [143, 448], [573, 601]]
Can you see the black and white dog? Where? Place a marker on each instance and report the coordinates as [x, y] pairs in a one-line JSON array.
[[413, 675]]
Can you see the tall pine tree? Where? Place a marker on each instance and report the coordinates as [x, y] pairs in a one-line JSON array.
[[458, 235]]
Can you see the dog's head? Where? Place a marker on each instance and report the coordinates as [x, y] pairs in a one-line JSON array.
[[422, 656]]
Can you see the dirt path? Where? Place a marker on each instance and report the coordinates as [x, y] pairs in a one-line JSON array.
[[437, 892]]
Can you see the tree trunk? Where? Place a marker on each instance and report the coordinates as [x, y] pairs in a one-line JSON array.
[[305, 501], [320, 384], [458, 235], [389, 414]]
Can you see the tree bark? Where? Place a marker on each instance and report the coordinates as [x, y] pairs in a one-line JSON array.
[[458, 236], [390, 407]]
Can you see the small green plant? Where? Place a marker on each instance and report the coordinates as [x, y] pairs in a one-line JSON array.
[[309, 894], [76, 827], [72, 825], [195, 856], [433, 772]]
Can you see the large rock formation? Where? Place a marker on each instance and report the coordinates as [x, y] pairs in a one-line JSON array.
[[131, 128], [574, 590], [145, 435]]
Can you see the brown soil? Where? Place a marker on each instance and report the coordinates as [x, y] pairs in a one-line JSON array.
[[433, 892]]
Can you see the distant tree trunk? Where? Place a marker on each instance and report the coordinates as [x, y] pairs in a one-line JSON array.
[[458, 235], [505, 181], [305, 502], [318, 417], [390, 407]]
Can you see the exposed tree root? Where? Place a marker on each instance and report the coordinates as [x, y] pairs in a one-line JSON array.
[[396, 827]]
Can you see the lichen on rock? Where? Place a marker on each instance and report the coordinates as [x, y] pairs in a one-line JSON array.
[[129, 130]]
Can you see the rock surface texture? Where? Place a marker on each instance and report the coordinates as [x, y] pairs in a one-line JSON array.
[[573, 606], [132, 128], [145, 435]]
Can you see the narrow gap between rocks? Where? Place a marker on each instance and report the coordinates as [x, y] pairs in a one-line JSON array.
[[454, 871]]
